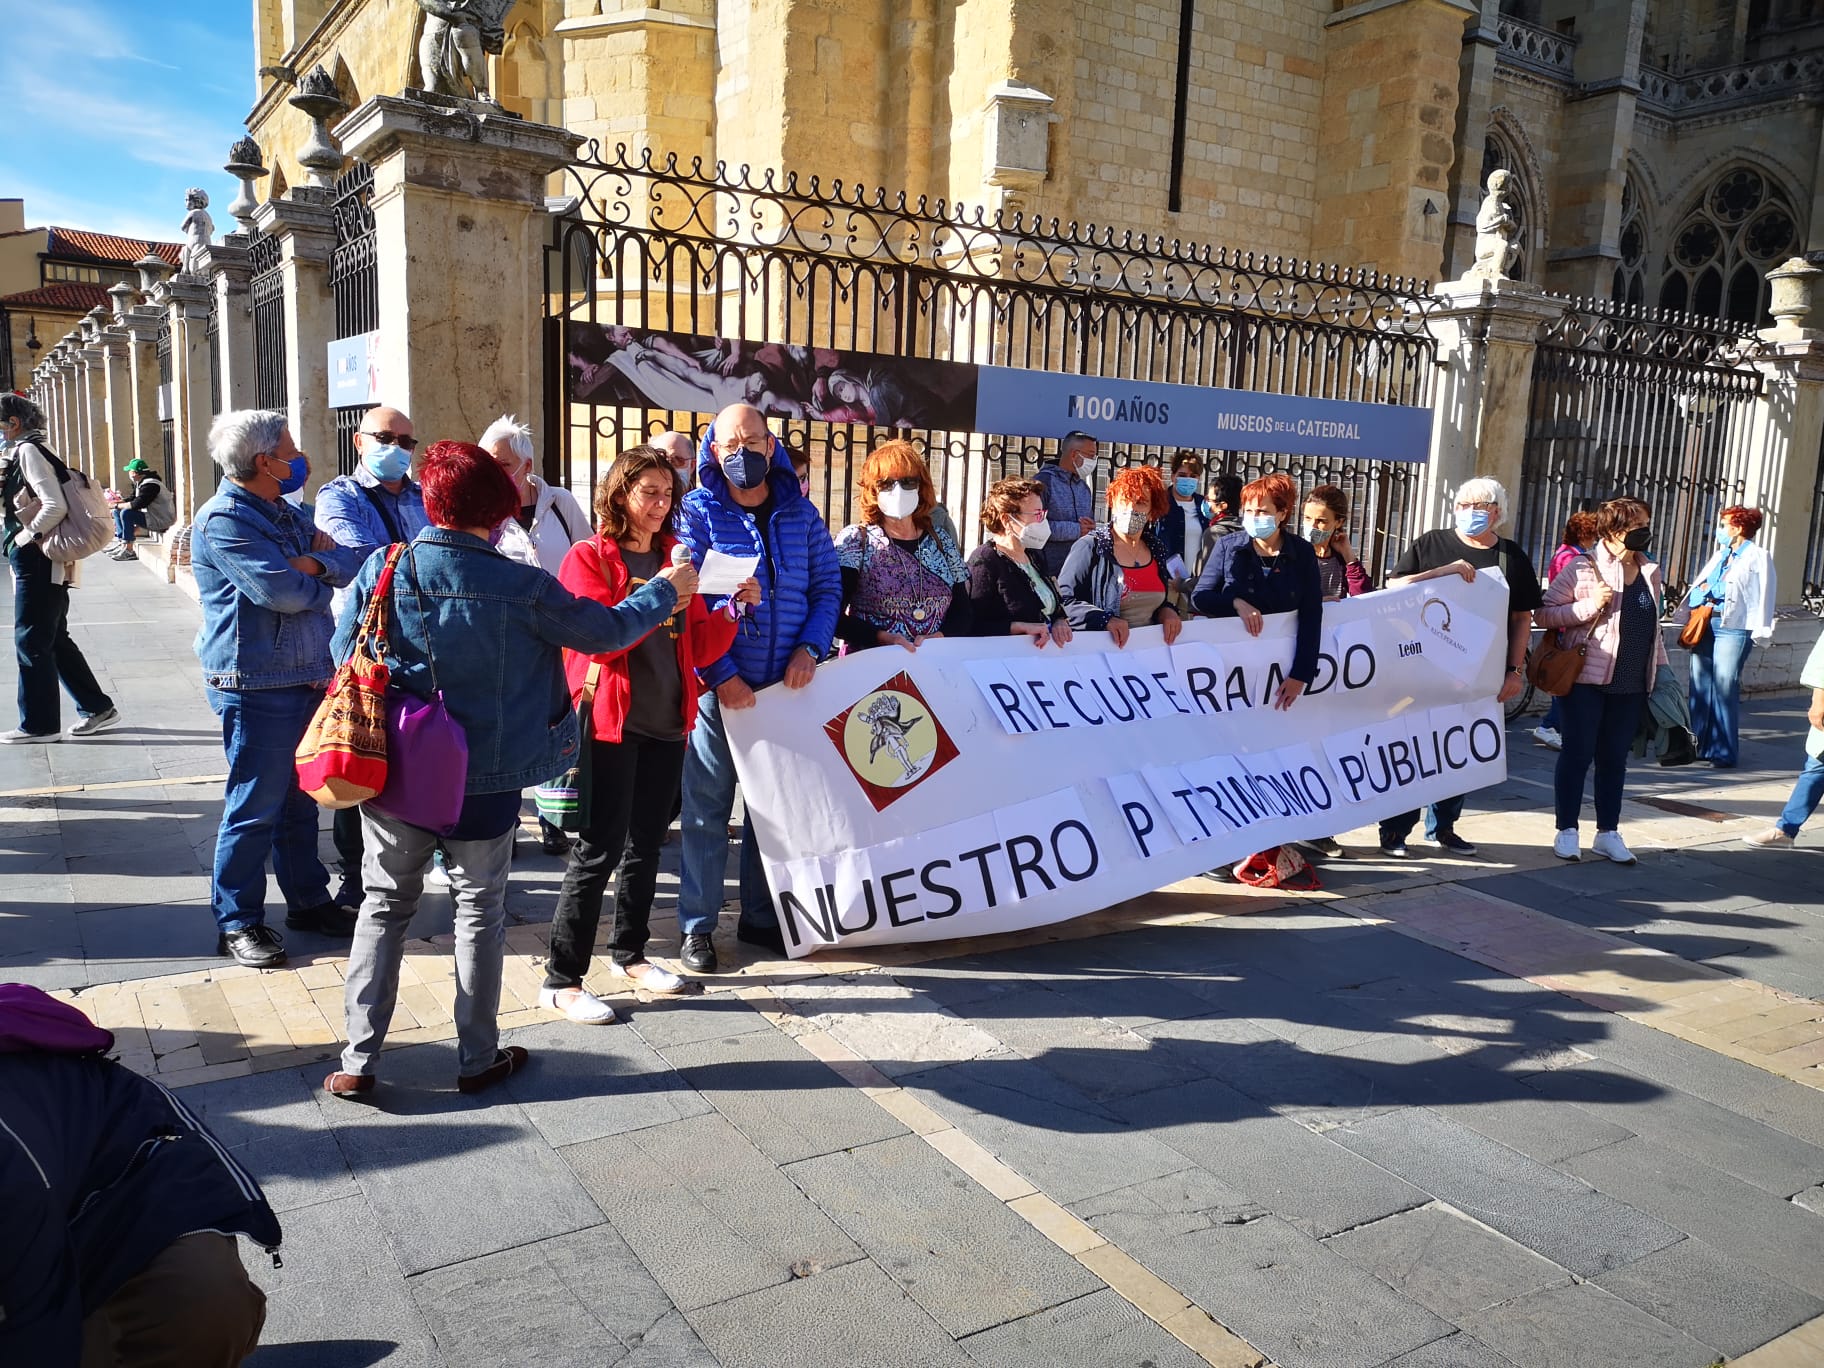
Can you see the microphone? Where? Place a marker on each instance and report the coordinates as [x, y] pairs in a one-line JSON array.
[[680, 554]]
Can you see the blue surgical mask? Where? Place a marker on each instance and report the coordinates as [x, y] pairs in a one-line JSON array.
[[1260, 526], [746, 469], [300, 472], [1724, 537], [386, 461], [1186, 485], [1472, 522]]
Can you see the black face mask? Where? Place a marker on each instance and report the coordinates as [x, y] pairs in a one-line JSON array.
[[1638, 539]]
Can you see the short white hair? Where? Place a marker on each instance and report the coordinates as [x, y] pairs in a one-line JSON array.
[[238, 436], [514, 433], [1484, 490]]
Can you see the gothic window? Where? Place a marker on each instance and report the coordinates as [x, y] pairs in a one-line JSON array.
[[1630, 285], [1717, 263], [1497, 155]]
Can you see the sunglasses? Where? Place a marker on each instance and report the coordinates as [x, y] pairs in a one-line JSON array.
[[909, 483], [403, 440]]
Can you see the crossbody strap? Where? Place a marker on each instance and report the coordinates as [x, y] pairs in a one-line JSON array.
[[391, 524]]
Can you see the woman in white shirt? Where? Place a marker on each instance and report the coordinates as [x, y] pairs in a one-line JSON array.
[[1737, 584]]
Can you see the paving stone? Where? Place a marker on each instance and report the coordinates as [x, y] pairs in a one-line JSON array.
[[1126, 998], [1567, 1221], [26, 929], [1444, 1262], [577, 1301], [1711, 1296], [1783, 1240], [1453, 1351], [419, 1145], [843, 1318], [1068, 1146], [1812, 1199], [1099, 1059], [894, 1028], [790, 1104], [682, 1021], [707, 1213], [1101, 1330], [1580, 1326], [141, 941], [959, 1253], [1301, 1177], [338, 1301], [53, 968], [272, 1124], [593, 1081]]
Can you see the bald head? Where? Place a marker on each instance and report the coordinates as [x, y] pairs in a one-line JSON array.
[[382, 428], [744, 449], [384, 419], [737, 424], [677, 448]]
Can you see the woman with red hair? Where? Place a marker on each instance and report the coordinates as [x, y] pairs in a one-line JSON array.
[[1737, 586], [1117, 578], [487, 633], [903, 579]]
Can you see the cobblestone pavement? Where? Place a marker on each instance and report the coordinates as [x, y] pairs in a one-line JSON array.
[[1473, 1112]]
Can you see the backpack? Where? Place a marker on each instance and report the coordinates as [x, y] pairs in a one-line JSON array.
[[89, 525]]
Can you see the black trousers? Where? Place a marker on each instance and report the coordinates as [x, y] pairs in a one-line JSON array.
[[345, 829], [634, 791]]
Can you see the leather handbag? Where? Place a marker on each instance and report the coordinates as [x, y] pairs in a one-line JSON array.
[[1553, 667], [564, 802], [427, 771], [342, 759], [1697, 626]]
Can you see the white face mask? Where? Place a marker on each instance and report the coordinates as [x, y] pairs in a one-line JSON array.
[[897, 502], [1035, 535]]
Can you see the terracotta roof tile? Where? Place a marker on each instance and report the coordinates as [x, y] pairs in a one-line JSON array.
[[67, 297], [79, 242]]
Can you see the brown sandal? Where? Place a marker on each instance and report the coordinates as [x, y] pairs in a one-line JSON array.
[[348, 1085]]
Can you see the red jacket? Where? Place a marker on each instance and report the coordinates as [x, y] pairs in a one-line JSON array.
[[594, 569]]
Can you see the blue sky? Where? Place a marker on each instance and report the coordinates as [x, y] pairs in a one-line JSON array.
[[116, 106]]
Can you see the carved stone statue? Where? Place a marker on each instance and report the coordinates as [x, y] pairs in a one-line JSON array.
[[1496, 228], [197, 229], [456, 35]]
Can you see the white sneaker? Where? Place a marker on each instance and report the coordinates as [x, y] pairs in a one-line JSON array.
[[1773, 836], [438, 875], [648, 976], [101, 721], [582, 1005], [1548, 737], [1608, 844], [18, 737], [1564, 844]]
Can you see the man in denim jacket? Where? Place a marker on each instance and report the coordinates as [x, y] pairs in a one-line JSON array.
[[265, 579], [748, 503]]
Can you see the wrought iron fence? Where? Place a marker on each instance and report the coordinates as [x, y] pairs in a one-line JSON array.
[[354, 281], [167, 430], [213, 331], [1650, 404], [266, 288], [650, 245]]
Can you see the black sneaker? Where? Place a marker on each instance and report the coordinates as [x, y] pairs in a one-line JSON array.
[[553, 841], [1394, 849], [698, 956], [1222, 874], [1322, 845], [766, 937], [1454, 844], [326, 919], [257, 947], [351, 896]]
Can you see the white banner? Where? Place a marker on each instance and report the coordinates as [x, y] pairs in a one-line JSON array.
[[982, 784]]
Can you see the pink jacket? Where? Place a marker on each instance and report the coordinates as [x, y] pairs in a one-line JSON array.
[[1571, 601]]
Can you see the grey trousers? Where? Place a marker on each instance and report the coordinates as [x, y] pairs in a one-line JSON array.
[[394, 858]]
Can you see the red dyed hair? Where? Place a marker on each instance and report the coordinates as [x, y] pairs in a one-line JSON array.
[[1276, 489], [464, 488], [1143, 487], [1747, 520]]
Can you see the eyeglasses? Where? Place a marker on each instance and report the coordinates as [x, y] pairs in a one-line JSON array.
[[761, 446], [910, 483], [403, 440], [1483, 504]]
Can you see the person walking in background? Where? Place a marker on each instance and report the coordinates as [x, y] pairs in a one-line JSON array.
[[1611, 598], [495, 630], [1067, 489], [1009, 591], [643, 703], [903, 579], [377, 505], [549, 522], [1809, 788], [1737, 586], [1579, 537], [29, 469], [1187, 518], [747, 503], [264, 578], [1120, 576], [151, 509], [1473, 543]]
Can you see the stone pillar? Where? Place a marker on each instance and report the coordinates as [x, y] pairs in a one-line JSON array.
[[92, 401], [305, 226], [1787, 426], [1487, 333], [1475, 100], [188, 300], [643, 76], [115, 345], [459, 223], [228, 279], [141, 326], [64, 435]]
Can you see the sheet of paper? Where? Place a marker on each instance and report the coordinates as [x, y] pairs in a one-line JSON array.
[[721, 573]]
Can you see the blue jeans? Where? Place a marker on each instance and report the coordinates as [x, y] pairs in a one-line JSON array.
[[709, 798], [41, 641], [127, 521], [263, 810], [1598, 729], [1806, 794], [1439, 816], [1716, 693], [1552, 716]]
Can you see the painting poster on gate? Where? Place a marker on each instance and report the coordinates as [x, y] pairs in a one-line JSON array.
[[980, 785], [697, 373]]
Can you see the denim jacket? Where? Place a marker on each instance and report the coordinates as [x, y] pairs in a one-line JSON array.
[[265, 625], [488, 631], [354, 511]]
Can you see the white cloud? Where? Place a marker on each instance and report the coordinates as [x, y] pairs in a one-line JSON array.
[[46, 207], [158, 134]]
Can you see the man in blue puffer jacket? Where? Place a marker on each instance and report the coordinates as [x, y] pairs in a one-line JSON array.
[[747, 503]]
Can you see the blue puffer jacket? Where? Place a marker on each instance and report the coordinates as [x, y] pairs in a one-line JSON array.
[[800, 580]]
